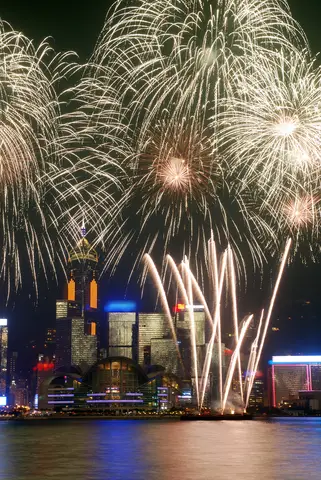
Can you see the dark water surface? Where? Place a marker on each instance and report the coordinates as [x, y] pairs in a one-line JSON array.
[[287, 449]]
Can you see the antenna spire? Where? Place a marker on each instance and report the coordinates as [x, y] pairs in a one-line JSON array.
[[83, 229]]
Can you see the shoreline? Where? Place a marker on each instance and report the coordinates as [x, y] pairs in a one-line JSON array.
[[90, 417], [174, 418]]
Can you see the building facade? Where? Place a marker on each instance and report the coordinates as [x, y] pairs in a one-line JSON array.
[[289, 375], [122, 334], [3, 361], [115, 383], [164, 352], [74, 346], [184, 339], [151, 327]]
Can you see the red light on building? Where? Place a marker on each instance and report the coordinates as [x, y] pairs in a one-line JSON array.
[[227, 351], [43, 367], [180, 307]]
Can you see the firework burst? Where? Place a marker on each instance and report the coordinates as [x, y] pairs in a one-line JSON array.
[[168, 120], [300, 211], [31, 217], [170, 65], [271, 126]]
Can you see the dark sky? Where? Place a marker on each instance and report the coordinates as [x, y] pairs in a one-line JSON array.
[[75, 25]]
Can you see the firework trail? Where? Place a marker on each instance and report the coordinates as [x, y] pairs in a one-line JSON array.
[[187, 287], [252, 359], [183, 53], [234, 359], [176, 189], [284, 259], [235, 312]]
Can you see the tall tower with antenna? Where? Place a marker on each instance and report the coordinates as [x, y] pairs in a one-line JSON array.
[[83, 273]]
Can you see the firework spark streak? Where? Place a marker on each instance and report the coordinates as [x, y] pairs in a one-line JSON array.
[[234, 359], [152, 268], [235, 314], [270, 309], [187, 284], [28, 118], [252, 360], [216, 322]]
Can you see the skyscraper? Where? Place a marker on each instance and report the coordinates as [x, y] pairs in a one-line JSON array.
[[151, 326], [184, 332], [3, 360], [164, 353], [121, 334], [77, 316], [82, 282], [73, 346]]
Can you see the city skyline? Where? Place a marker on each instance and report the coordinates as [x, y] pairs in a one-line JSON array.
[[76, 343], [301, 283]]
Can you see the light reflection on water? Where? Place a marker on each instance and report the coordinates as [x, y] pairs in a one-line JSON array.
[[279, 449]]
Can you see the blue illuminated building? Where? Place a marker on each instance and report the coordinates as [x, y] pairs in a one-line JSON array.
[[117, 306]]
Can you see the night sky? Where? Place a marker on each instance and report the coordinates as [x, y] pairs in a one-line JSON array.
[[75, 25]]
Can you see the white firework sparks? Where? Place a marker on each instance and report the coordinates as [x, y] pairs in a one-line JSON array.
[[271, 126], [34, 206], [300, 211], [175, 174], [171, 64]]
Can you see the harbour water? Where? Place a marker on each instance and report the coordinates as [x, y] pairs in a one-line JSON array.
[[276, 449]]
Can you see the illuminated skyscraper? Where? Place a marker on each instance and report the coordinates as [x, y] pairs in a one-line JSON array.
[[74, 347], [183, 329], [256, 400], [164, 353], [3, 360], [151, 326], [82, 282], [78, 316], [121, 334]]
